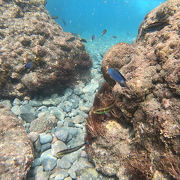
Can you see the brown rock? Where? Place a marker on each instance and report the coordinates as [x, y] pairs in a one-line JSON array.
[[149, 109], [43, 123], [28, 34], [16, 150]]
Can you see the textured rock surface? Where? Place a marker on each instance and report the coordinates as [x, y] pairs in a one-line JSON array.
[[29, 35], [16, 151], [148, 113]]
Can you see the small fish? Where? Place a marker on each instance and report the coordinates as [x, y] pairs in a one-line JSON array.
[[117, 76], [64, 22], [70, 150], [114, 37], [104, 32], [76, 34], [101, 55], [93, 37], [28, 65], [83, 40], [54, 17]]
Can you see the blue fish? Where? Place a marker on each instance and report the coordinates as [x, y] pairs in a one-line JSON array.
[[28, 65], [117, 76]]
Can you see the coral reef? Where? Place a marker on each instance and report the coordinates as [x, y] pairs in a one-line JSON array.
[[16, 149], [29, 35], [139, 138]]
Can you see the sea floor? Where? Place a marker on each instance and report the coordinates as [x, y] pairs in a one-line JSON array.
[[70, 109]]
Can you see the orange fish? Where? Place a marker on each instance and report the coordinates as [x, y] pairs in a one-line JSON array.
[[104, 32]]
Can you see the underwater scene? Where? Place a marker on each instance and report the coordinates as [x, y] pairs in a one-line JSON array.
[[89, 90]]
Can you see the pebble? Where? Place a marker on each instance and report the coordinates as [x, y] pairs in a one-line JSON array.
[[89, 173], [37, 145], [27, 113], [43, 123], [81, 164], [66, 106], [16, 110], [60, 115], [48, 161], [16, 102], [57, 146], [33, 136], [72, 174], [45, 147], [61, 174], [63, 163], [62, 134], [45, 138], [35, 103], [42, 109], [78, 119], [72, 157]]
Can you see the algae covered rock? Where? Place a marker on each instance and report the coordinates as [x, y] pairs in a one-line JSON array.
[[16, 149], [35, 54], [149, 109]]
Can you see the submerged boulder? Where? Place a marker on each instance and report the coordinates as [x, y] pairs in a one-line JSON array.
[[35, 54], [147, 114], [16, 149]]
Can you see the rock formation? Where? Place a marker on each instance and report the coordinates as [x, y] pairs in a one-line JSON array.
[[136, 135], [35, 54], [16, 149]]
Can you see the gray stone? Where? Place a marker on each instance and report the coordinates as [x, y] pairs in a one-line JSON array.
[[60, 124], [63, 163], [42, 109], [41, 175], [48, 161], [35, 103], [81, 164], [62, 134], [57, 146], [61, 174], [72, 174], [36, 162], [70, 124], [68, 92], [16, 110], [78, 119], [73, 131], [16, 102], [33, 136], [90, 88], [45, 147], [66, 106], [88, 174], [43, 123], [60, 115], [48, 102], [27, 113], [45, 138], [72, 157], [37, 145]]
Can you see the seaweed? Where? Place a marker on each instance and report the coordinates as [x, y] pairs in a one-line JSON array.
[[104, 98]]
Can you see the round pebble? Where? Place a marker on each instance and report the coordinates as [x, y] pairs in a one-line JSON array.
[[45, 138]]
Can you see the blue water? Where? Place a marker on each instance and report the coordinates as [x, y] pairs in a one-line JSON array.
[[121, 18], [92, 16]]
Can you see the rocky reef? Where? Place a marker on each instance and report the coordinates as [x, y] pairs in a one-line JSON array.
[[16, 149], [35, 54], [136, 135]]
